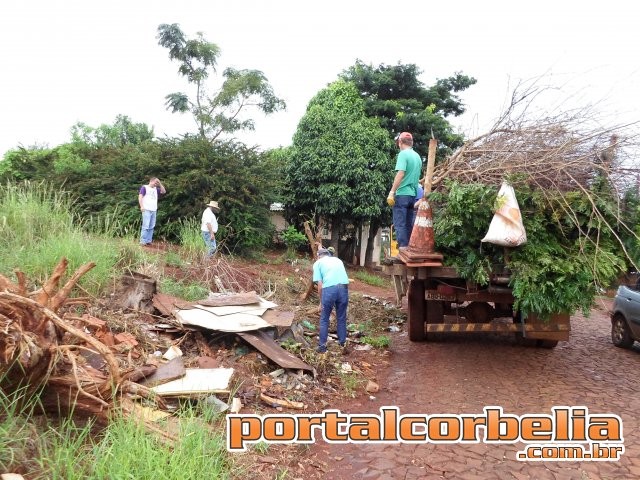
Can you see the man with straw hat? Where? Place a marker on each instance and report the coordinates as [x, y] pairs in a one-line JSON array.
[[209, 227]]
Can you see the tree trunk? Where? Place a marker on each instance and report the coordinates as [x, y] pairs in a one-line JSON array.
[[315, 241], [374, 226], [336, 223]]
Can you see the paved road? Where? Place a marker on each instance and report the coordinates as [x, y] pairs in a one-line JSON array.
[[462, 374]]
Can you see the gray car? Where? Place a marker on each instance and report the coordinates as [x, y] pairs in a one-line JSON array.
[[625, 317]]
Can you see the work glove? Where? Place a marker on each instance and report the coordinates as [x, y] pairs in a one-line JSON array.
[[391, 199]]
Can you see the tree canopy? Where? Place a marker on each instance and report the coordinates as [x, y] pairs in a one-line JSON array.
[[338, 168], [395, 95], [218, 111]]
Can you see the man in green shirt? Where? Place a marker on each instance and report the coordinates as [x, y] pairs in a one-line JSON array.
[[405, 186]]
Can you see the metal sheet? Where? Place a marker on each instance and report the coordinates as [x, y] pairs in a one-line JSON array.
[[265, 344]]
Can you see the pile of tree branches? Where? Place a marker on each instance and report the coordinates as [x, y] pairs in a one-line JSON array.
[[40, 350], [560, 152], [576, 183]]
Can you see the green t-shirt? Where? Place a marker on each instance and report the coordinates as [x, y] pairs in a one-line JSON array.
[[411, 163]]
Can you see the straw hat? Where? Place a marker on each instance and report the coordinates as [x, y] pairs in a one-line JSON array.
[[214, 206]]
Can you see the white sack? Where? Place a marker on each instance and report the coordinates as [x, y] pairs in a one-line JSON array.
[[506, 227]]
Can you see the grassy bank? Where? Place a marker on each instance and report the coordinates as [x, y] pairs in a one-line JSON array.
[[40, 224]]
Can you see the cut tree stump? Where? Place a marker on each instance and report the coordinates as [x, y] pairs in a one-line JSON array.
[[138, 292]]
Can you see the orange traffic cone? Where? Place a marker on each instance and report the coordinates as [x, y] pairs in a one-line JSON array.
[[422, 242]]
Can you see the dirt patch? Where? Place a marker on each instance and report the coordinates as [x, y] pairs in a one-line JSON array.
[[338, 379]]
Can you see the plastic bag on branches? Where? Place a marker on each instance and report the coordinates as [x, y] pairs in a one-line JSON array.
[[506, 227]]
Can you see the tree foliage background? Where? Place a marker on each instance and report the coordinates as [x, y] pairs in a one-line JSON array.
[[105, 178], [337, 167], [395, 96]]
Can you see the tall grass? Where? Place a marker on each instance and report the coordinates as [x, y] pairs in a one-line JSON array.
[[190, 235], [124, 449], [40, 224]]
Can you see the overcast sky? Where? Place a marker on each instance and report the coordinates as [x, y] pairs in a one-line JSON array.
[[70, 61]]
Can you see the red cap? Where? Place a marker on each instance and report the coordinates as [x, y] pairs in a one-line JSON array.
[[404, 135]]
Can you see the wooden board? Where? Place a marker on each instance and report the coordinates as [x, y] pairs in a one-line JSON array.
[[165, 373], [222, 299], [265, 344]]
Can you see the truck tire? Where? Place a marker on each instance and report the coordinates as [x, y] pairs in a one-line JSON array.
[[415, 300], [525, 342], [547, 343], [620, 333], [479, 312]]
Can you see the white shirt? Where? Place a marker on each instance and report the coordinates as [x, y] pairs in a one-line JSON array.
[[150, 198], [209, 217]]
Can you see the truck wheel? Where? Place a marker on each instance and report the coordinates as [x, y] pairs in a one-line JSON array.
[[547, 343], [620, 334], [415, 299], [525, 342], [479, 312]]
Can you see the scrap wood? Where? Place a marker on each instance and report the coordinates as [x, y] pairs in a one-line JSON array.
[[278, 402], [32, 358], [265, 344], [166, 304], [278, 318], [140, 373], [227, 299], [165, 373]]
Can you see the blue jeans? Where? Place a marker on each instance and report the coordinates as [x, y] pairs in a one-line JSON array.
[[211, 244], [148, 224], [403, 217], [337, 295]]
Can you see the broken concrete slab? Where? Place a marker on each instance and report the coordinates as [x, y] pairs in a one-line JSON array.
[[254, 309], [237, 322], [263, 342], [197, 381], [278, 318]]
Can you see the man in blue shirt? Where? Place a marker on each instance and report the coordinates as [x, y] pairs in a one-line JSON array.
[[404, 189], [333, 290]]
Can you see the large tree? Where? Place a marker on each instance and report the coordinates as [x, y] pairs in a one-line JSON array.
[[395, 95], [218, 111], [338, 168]]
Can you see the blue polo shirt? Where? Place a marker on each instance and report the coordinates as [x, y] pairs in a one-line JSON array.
[[330, 271]]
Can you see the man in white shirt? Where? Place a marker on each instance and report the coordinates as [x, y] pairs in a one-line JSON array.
[[148, 201], [209, 227]]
